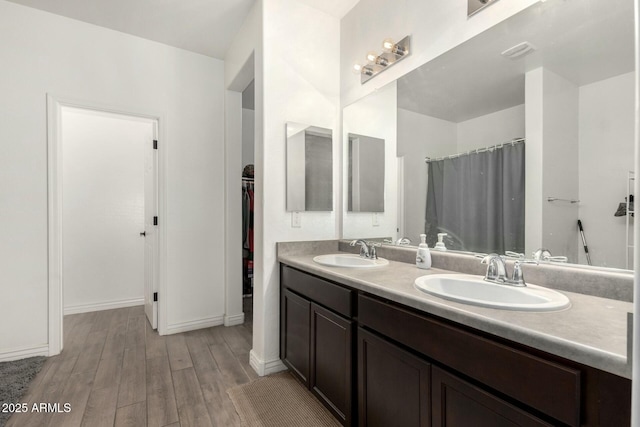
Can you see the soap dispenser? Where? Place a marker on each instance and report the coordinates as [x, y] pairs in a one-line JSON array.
[[423, 257], [440, 245]]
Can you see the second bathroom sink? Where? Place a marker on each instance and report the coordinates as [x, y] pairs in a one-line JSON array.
[[349, 260]]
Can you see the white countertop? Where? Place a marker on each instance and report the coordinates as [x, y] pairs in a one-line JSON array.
[[593, 331]]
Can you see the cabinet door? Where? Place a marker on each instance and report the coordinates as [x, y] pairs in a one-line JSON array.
[[294, 334], [393, 385], [331, 362], [456, 403]]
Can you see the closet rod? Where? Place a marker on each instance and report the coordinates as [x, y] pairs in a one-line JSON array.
[[478, 150]]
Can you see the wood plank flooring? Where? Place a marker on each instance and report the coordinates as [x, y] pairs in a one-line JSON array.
[[116, 371]]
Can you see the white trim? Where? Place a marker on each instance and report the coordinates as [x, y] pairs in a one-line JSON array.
[[54, 226], [23, 353], [263, 368], [55, 194], [86, 308], [233, 319], [635, 362], [192, 325]]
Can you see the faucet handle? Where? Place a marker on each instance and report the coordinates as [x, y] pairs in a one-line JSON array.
[[516, 255], [372, 250], [517, 278]]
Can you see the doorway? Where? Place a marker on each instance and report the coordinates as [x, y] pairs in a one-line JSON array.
[[104, 231]]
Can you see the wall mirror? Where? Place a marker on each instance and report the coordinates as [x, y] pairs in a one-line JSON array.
[[528, 128], [309, 168], [366, 174]]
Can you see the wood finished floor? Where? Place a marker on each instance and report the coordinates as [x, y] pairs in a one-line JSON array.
[[116, 371]]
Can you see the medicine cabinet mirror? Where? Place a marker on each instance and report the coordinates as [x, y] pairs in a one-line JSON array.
[[309, 168]]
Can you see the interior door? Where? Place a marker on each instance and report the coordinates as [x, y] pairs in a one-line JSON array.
[[151, 229]]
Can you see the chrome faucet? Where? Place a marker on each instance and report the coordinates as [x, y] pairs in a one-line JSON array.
[[496, 268], [367, 250], [543, 254], [497, 271]]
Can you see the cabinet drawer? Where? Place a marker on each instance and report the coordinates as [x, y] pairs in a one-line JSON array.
[[526, 378], [318, 290]]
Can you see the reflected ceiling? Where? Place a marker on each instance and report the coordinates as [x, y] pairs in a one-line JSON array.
[[562, 32]]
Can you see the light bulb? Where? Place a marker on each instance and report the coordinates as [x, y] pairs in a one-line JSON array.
[[357, 69], [372, 57], [388, 45]]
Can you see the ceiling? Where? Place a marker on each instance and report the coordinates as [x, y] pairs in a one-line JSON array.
[[583, 41], [202, 26]]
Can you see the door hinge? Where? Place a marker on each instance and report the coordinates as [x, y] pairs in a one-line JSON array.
[[155, 144], [155, 296], [155, 220]]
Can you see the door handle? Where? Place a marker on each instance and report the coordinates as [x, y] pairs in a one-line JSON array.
[[144, 233]]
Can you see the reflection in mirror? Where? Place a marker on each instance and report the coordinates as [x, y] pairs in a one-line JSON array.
[[373, 116], [559, 75], [366, 174], [309, 168]]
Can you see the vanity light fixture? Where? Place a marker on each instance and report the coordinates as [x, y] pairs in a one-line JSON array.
[[377, 63]]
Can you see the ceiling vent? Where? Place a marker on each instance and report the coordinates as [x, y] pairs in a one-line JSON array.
[[519, 50]]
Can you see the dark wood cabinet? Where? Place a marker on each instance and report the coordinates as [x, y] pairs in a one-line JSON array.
[[457, 403], [316, 342], [331, 361], [295, 317], [393, 385], [416, 369]]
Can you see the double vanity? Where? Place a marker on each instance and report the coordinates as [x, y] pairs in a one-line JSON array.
[[383, 343]]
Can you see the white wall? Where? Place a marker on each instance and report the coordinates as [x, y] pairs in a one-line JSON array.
[[373, 116], [533, 160], [296, 89], [560, 160], [606, 156], [434, 26], [243, 64], [551, 163], [75, 60], [103, 209], [420, 136], [491, 129], [248, 136]]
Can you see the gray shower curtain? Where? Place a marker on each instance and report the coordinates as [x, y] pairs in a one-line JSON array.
[[478, 199]]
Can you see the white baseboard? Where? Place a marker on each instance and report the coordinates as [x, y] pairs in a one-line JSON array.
[[23, 353], [263, 368], [192, 325], [234, 319], [86, 308]]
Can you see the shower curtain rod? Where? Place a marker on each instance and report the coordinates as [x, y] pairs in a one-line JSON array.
[[478, 150]]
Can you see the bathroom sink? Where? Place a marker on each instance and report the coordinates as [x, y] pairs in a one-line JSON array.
[[349, 260], [475, 290]]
